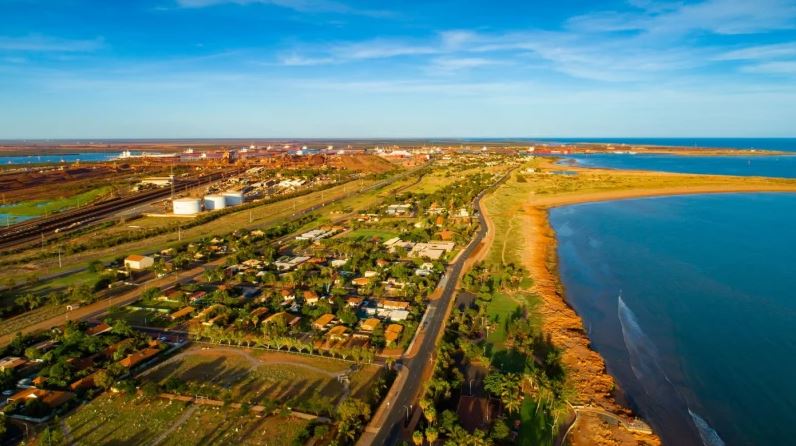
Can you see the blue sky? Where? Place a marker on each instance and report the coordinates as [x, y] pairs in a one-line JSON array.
[[345, 68]]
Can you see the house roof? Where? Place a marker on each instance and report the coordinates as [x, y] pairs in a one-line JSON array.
[[323, 320], [338, 330], [393, 332], [12, 362], [138, 357], [98, 329], [135, 258], [395, 304], [51, 398], [182, 312], [370, 324]]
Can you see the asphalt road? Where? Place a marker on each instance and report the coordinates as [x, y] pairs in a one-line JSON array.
[[389, 433]]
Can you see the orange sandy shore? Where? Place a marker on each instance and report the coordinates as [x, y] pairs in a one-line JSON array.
[[586, 368]]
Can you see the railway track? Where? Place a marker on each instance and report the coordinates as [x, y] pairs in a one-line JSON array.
[[72, 220]]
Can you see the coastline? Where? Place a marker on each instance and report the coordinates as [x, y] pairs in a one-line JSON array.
[[593, 385]]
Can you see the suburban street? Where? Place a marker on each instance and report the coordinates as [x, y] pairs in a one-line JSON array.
[[403, 397]]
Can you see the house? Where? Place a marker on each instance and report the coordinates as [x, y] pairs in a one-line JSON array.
[[323, 322], [396, 242], [257, 313], [287, 295], [361, 281], [392, 333], [354, 301], [370, 324], [12, 363], [137, 262], [138, 357], [181, 313], [338, 333], [426, 269], [393, 304], [50, 398], [398, 209], [435, 209], [432, 250], [85, 382], [286, 263], [310, 297], [369, 274], [338, 263], [284, 318], [381, 263], [98, 329], [197, 295]]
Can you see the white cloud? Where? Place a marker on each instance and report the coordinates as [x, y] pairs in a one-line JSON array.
[[760, 52], [40, 43]]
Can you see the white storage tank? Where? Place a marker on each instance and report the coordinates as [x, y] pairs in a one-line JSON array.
[[215, 202], [186, 206], [233, 197]]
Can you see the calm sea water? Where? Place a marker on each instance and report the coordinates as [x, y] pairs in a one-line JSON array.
[[782, 144], [87, 157], [692, 302], [772, 166]]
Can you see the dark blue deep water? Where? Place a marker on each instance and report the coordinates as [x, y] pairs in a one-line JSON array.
[[781, 144], [692, 302], [754, 165]]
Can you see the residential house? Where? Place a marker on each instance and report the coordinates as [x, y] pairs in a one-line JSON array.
[[137, 262]]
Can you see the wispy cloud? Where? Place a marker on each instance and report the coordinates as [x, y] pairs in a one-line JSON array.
[[761, 52], [41, 43], [674, 18], [306, 6]]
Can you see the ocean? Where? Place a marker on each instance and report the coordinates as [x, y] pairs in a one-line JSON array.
[[781, 144], [691, 302], [756, 165]]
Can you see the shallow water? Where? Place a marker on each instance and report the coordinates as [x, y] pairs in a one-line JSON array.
[[692, 302]]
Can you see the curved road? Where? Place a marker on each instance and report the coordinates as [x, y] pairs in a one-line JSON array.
[[386, 427]]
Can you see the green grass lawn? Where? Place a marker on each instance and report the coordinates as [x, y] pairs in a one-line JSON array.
[[35, 208], [533, 431], [371, 232], [499, 311]]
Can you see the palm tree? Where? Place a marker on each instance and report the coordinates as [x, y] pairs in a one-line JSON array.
[[417, 438], [432, 434]]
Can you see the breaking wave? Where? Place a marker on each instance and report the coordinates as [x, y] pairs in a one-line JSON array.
[[646, 367], [708, 435], [642, 352]]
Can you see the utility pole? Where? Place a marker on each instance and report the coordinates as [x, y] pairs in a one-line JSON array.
[[60, 265], [179, 233], [250, 216]]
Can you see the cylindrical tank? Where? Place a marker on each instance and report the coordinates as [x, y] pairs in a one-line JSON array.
[[233, 197], [186, 206], [215, 202]]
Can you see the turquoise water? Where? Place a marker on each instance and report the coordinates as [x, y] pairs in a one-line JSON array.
[[692, 302], [772, 166]]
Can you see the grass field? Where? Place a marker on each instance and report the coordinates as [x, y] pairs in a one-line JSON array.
[[370, 233], [35, 208], [115, 420]]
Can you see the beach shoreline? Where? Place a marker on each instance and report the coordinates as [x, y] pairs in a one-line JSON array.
[[587, 372]]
